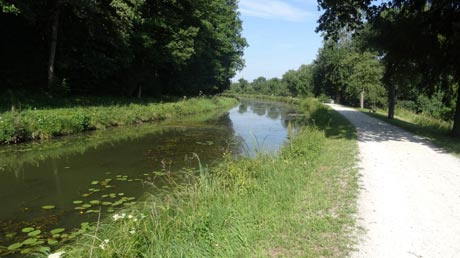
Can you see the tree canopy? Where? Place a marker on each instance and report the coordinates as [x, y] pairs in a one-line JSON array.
[[415, 39], [120, 47]]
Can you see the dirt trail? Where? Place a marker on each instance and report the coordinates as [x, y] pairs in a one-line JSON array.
[[409, 203]]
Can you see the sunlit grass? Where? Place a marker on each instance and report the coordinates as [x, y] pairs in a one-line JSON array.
[[32, 124], [299, 203], [433, 129]]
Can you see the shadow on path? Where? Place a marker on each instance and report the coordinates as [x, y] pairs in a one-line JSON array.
[[374, 130]]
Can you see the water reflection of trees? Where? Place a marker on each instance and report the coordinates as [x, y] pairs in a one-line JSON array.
[[243, 108], [209, 142]]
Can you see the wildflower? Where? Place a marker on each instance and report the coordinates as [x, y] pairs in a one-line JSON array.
[[56, 255], [102, 246], [135, 219], [130, 216], [116, 217], [106, 241], [132, 231]]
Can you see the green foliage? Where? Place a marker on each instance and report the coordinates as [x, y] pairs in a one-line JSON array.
[[246, 207], [342, 72], [8, 7], [392, 29], [295, 83], [34, 124], [122, 47]]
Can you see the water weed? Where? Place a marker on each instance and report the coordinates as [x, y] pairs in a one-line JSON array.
[[299, 203]]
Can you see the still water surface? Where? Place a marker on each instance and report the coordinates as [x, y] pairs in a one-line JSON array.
[[113, 166]]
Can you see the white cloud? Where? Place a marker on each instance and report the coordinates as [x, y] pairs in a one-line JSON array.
[[273, 9]]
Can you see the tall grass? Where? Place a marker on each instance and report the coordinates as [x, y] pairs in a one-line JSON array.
[[297, 204], [32, 124]]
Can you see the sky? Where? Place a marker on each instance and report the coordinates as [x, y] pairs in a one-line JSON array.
[[281, 36]]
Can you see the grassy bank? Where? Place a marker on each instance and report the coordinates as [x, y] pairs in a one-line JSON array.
[[437, 131], [289, 100], [297, 204], [33, 124]]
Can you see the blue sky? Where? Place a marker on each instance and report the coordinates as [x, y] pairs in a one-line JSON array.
[[281, 36]]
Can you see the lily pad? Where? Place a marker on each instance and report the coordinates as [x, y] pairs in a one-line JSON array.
[[27, 230], [57, 231], [15, 246], [86, 205], [48, 207], [95, 202], [77, 202], [95, 182], [35, 233], [44, 249], [92, 211], [106, 203], [26, 251], [29, 241], [39, 242], [117, 203], [11, 235]]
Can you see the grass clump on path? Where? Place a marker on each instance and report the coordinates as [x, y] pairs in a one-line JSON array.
[[299, 203], [435, 130], [31, 124]]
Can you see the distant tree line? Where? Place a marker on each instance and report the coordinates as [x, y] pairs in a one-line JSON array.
[[293, 83], [119, 47]]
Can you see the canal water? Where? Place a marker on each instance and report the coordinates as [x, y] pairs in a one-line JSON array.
[[62, 183]]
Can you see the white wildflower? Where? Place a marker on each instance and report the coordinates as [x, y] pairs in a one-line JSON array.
[[132, 231], [106, 241], [56, 255], [130, 216], [135, 219], [119, 216], [102, 246]]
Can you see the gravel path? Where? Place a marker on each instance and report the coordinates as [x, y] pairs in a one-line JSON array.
[[409, 203]]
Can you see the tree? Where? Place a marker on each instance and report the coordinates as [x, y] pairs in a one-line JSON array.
[[421, 35], [120, 47], [344, 73]]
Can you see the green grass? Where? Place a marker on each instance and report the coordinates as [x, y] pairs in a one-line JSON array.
[[289, 100], [435, 130], [34, 124], [299, 203]]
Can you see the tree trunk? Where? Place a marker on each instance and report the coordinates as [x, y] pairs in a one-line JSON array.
[[456, 127], [139, 92], [391, 100], [53, 44], [361, 99]]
